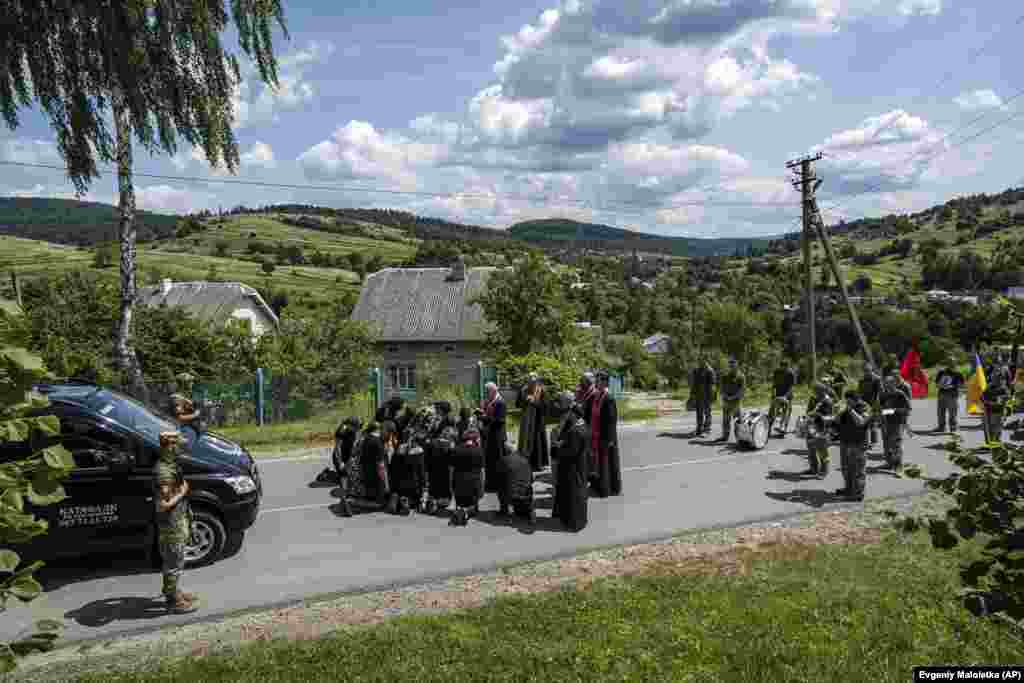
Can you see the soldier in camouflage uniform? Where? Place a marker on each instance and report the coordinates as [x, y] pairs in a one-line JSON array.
[[174, 522], [853, 437], [181, 407], [820, 405], [733, 388]]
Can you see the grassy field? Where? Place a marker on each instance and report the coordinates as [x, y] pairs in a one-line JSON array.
[[786, 612], [239, 231], [887, 275], [30, 257]]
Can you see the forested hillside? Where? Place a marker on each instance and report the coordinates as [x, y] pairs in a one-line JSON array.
[[565, 233], [66, 221]]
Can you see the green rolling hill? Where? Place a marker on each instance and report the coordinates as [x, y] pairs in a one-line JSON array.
[[546, 232]]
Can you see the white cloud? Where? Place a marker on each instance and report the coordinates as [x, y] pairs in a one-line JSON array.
[[261, 154], [885, 153], [979, 100], [167, 199], [257, 103], [358, 150]]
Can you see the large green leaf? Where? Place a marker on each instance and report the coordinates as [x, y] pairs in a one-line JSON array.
[[49, 626], [25, 588], [43, 490], [9, 561], [59, 458], [48, 424], [12, 500], [9, 476], [29, 569], [8, 662]]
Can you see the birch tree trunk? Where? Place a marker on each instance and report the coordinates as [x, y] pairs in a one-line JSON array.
[[125, 359]]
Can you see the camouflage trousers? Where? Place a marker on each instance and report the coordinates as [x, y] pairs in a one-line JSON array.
[[993, 425], [172, 552], [817, 456], [730, 411], [854, 464], [892, 440]]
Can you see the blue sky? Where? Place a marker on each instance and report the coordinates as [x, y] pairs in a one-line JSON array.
[[668, 116]]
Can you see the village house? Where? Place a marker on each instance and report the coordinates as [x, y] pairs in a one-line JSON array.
[[425, 315], [215, 302]]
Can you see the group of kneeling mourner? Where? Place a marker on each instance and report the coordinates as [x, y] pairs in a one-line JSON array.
[[421, 461]]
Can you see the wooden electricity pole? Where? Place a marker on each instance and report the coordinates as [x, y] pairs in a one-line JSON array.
[[814, 227], [803, 182]]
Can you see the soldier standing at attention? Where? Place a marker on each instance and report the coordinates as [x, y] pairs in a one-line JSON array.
[[995, 397], [819, 408], [950, 382], [704, 394], [782, 404], [870, 389], [853, 434], [173, 523], [733, 388], [896, 409]]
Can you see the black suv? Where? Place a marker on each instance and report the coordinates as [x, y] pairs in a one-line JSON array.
[[114, 441]]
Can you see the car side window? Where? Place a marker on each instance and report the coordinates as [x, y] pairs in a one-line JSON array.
[[90, 444]]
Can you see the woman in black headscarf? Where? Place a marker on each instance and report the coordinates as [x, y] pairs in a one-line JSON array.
[[571, 486]]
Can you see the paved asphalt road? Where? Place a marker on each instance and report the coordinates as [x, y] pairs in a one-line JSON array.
[[299, 547]]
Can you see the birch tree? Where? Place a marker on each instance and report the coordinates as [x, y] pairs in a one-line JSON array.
[[155, 69]]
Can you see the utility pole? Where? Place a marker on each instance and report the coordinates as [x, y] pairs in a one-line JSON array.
[[805, 176], [814, 226]]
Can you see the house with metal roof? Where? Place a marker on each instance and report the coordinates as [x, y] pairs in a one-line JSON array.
[[426, 314], [216, 302]]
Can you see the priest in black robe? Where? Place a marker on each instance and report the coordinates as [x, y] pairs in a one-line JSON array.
[[573, 447], [493, 417], [533, 439], [606, 470]]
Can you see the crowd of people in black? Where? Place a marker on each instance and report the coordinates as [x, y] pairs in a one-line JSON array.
[[426, 460]]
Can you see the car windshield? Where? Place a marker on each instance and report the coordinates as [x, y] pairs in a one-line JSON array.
[[132, 414]]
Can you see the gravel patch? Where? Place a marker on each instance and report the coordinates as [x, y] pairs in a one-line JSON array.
[[725, 551]]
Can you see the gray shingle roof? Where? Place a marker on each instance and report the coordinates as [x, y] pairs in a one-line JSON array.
[[421, 304], [212, 301]]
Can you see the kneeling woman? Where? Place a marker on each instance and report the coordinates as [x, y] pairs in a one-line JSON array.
[[467, 462]]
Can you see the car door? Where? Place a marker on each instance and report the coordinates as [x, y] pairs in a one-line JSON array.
[[110, 491]]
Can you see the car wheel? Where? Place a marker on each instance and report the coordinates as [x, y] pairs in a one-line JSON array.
[[234, 544], [207, 541]]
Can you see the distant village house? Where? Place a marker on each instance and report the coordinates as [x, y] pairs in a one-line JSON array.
[[215, 302], [425, 313]]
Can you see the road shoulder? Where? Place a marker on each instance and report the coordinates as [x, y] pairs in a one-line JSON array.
[[849, 523]]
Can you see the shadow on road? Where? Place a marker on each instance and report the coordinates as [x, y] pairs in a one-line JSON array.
[[59, 573], [883, 470], [795, 477], [794, 451], [707, 442], [678, 435], [815, 498], [545, 523], [100, 613]]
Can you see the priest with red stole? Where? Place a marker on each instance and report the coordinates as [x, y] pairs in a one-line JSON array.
[[605, 470], [912, 372]]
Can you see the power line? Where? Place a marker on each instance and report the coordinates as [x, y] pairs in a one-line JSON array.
[[928, 161], [949, 74], [434, 195]]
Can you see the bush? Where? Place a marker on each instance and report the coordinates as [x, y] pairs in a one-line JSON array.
[[35, 479], [559, 375], [986, 492]]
